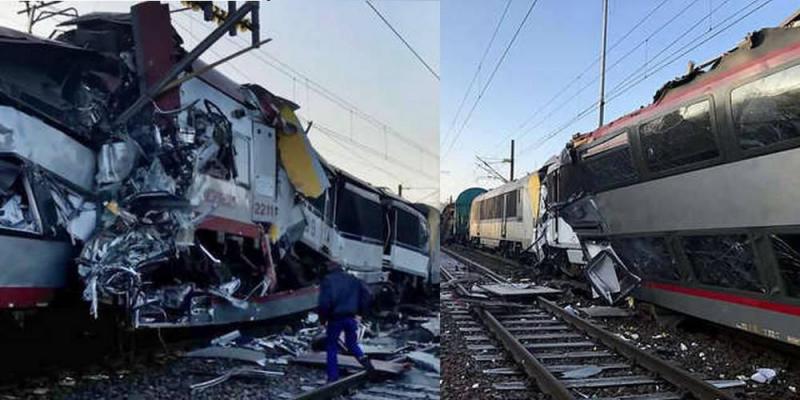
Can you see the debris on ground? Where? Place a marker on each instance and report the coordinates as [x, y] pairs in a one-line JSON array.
[[259, 373], [764, 375], [319, 359], [518, 289], [231, 353], [425, 360], [605, 312], [583, 372], [432, 326]]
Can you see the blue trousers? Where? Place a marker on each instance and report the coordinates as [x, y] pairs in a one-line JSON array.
[[334, 329]]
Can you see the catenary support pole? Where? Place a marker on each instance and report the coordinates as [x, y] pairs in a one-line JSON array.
[[602, 102]]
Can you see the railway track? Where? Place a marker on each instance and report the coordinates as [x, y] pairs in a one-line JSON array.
[[535, 348]]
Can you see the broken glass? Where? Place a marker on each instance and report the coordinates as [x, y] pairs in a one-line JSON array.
[[723, 260], [611, 169], [15, 207], [787, 253], [582, 213], [681, 137], [767, 111], [649, 257]]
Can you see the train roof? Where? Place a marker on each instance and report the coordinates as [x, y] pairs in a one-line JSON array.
[[764, 48], [507, 187], [467, 195]]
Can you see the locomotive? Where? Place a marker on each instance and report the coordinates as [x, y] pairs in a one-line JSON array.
[[208, 206]]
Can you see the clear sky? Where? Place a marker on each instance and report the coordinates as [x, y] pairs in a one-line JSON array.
[[346, 49], [559, 41]]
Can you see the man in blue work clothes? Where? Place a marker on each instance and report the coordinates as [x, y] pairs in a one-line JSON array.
[[342, 297]]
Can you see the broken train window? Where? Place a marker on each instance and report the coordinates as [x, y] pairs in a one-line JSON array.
[[767, 111], [787, 253], [17, 209], [724, 260], [681, 137], [610, 164], [648, 257]]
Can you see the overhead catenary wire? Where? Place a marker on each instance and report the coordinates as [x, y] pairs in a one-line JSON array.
[[288, 71], [577, 78], [373, 151], [477, 71], [491, 76], [690, 29], [618, 91], [402, 39], [338, 139]]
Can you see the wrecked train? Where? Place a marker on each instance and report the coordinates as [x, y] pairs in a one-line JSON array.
[[691, 203], [389, 243], [514, 220], [191, 211]]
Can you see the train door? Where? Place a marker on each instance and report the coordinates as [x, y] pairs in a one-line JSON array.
[[264, 173]]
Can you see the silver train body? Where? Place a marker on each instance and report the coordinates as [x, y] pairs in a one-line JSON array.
[[696, 195]]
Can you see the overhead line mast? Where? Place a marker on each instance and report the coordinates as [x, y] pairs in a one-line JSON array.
[[602, 102]]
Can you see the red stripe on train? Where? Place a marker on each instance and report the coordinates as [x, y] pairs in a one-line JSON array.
[[231, 226], [23, 297], [727, 297]]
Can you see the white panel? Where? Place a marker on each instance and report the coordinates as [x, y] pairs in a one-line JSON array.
[[42, 144]]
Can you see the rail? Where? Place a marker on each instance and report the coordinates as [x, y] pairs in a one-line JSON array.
[[535, 367]]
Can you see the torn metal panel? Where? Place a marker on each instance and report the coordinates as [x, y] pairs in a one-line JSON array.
[[39, 143], [583, 214], [609, 277], [319, 360], [115, 161], [76, 214], [519, 289], [425, 360], [301, 161]]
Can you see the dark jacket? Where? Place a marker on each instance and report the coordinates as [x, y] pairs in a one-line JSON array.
[[342, 295]]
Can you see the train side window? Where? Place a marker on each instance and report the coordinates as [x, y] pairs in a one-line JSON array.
[[512, 199], [410, 230], [358, 215], [787, 253], [681, 137], [241, 146], [610, 163], [767, 111], [724, 260], [648, 257]]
